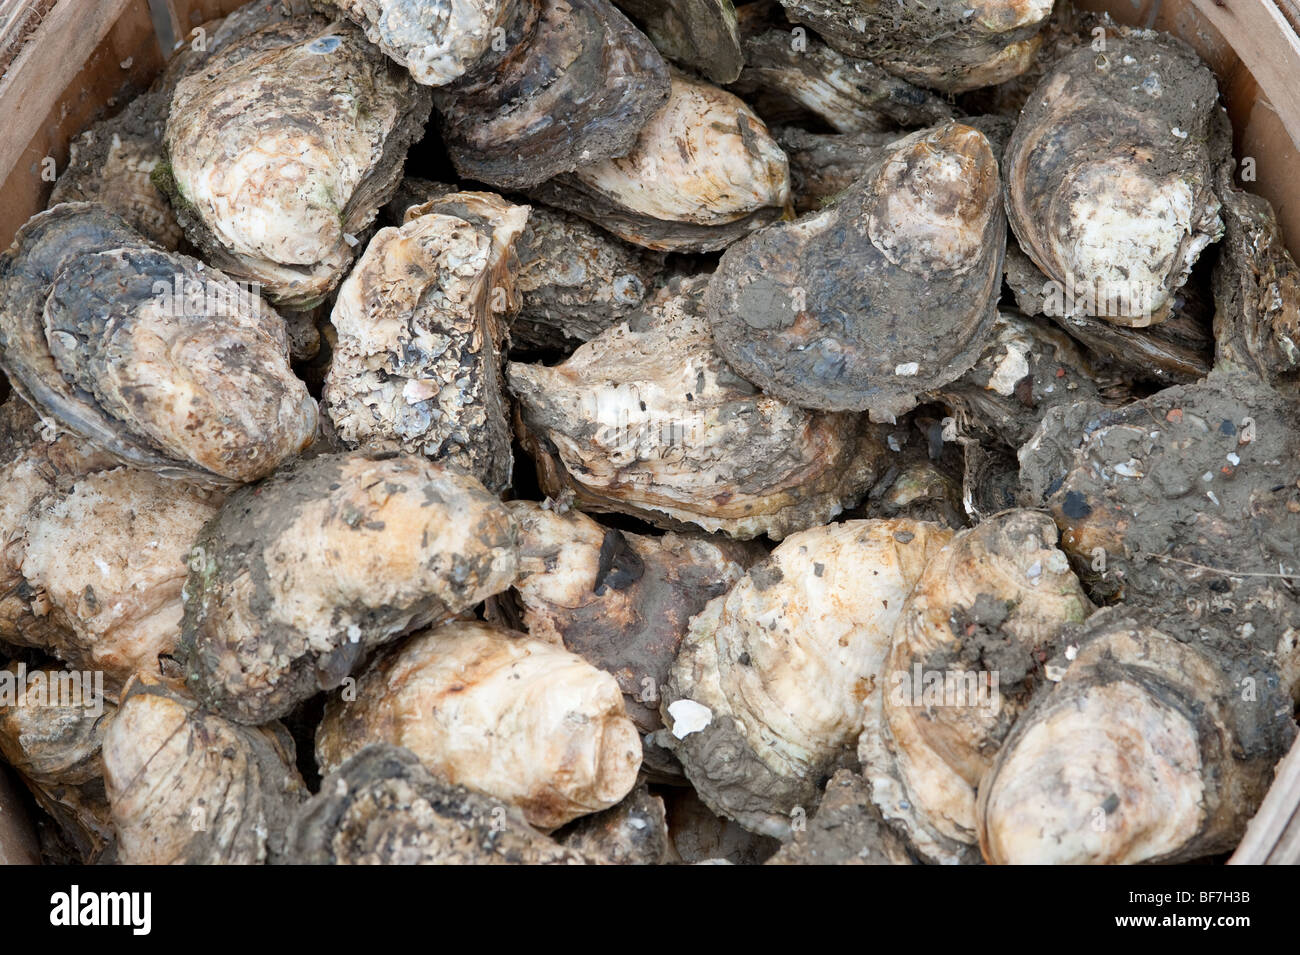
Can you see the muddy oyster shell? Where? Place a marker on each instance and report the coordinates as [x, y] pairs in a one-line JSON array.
[[1147, 751], [648, 419], [115, 593], [148, 355], [767, 693], [1110, 175], [297, 578], [704, 171], [576, 91], [186, 786], [382, 807], [621, 601], [419, 327], [635, 832], [847, 93], [948, 45], [437, 42], [846, 830], [504, 714], [52, 737], [966, 657], [279, 198], [887, 294], [112, 163]]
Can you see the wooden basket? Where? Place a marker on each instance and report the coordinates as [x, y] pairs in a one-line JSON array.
[[69, 62]]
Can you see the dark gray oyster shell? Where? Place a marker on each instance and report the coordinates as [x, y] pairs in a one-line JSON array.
[[148, 355], [885, 295], [280, 198], [702, 35], [576, 91]]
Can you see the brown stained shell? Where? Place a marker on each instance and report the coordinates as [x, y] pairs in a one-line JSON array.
[[966, 656], [111, 163], [648, 419], [33, 470], [108, 559], [279, 196], [298, 578], [635, 832], [889, 293], [382, 807], [574, 279], [1177, 351], [846, 830], [1185, 503], [702, 35], [849, 94], [502, 713], [420, 326], [187, 786], [51, 732], [704, 171], [947, 45], [147, 355], [1147, 751], [1256, 290], [621, 601], [576, 92], [767, 693], [697, 836], [1109, 177], [437, 42]]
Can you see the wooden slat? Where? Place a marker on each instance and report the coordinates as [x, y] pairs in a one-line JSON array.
[[1273, 837]]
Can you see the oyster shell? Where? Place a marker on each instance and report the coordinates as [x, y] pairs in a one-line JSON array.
[[187, 786], [437, 42], [768, 691], [1145, 752], [849, 94], [889, 293], [704, 171], [966, 656], [382, 807], [648, 419], [1110, 174], [145, 354], [620, 601], [700, 34], [279, 198], [635, 832], [420, 325], [847, 830], [112, 163], [948, 45], [510, 716], [297, 578], [824, 165], [576, 91]]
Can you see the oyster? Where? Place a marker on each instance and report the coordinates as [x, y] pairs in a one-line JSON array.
[[112, 163], [889, 293], [107, 563], [438, 42], [849, 94], [846, 830], [620, 601], [948, 45], [966, 657], [51, 734], [824, 165], [704, 171], [382, 807], [1147, 751], [635, 832], [147, 355], [187, 786], [1110, 176], [278, 197], [576, 91], [768, 691], [419, 329], [507, 715], [700, 34], [648, 419], [299, 577]]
